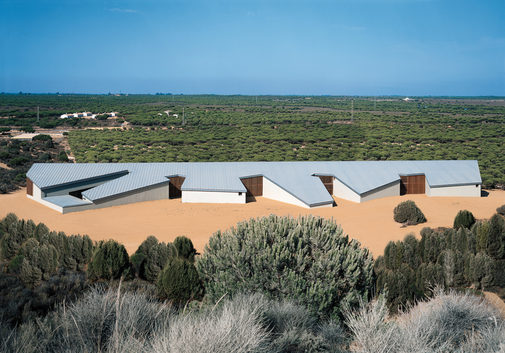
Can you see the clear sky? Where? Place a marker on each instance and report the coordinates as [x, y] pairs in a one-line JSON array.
[[299, 47]]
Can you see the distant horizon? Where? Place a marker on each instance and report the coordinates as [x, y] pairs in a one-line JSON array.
[[245, 95]]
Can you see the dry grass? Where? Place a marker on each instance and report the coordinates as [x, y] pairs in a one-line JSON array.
[[371, 222]]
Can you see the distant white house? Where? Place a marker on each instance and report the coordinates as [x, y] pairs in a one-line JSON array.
[[25, 137], [407, 99]]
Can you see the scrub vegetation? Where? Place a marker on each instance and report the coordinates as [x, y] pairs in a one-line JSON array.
[[459, 257], [275, 284], [180, 128], [19, 156]]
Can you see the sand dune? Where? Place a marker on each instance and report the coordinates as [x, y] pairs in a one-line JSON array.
[[371, 222]]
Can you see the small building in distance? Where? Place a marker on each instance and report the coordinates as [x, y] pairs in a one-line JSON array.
[[24, 137]]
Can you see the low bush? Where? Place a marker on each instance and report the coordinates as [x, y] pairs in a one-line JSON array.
[[501, 210], [408, 212], [464, 219]]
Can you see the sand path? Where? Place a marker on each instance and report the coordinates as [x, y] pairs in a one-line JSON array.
[[371, 222], [2, 165]]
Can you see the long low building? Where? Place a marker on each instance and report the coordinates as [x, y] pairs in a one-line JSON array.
[[77, 187]]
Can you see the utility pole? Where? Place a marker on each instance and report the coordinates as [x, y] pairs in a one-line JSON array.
[[37, 114], [374, 103], [352, 110], [183, 118]]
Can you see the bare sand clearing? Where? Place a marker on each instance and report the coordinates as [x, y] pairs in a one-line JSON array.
[[371, 222], [2, 165]]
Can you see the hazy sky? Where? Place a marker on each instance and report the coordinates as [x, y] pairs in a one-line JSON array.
[[316, 47]]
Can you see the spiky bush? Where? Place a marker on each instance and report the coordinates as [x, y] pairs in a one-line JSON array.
[[179, 282], [464, 219], [110, 261], [305, 259], [448, 322], [408, 212]]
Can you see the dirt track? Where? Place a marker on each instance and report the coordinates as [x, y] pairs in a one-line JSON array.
[[371, 222]]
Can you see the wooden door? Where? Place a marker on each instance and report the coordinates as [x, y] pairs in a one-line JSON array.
[[328, 183], [254, 186], [412, 184], [174, 190]]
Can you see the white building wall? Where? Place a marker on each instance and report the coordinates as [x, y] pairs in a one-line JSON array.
[[274, 192], [213, 197], [473, 190], [384, 191], [343, 192], [37, 193]]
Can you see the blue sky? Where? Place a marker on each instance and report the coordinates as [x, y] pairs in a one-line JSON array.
[[301, 47]]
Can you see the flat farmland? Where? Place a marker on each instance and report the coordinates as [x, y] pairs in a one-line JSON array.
[[371, 223]]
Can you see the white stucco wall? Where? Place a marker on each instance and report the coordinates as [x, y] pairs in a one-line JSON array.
[[37, 193], [384, 191], [460, 190], [274, 192], [212, 197], [343, 192]]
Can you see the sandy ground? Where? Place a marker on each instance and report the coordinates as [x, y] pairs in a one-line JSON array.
[[371, 222], [2, 165]]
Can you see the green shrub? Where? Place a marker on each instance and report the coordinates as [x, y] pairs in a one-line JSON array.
[[306, 259], [42, 137], [464, 219], [495, 243], [185, 248], [110, 261], [151, 257], [179, 282], [408, 212], [501, 210], [62, 157]]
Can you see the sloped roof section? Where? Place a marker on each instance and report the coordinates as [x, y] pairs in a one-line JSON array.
[[297, 178]]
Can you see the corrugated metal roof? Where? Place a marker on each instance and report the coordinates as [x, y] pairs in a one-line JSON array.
[[297, 178]]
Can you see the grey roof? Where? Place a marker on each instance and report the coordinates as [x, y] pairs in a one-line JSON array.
[[67, 201], [297, 178]]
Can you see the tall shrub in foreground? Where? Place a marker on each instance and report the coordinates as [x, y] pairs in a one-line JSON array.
[[306, 259], [110, 261], [179, 282]]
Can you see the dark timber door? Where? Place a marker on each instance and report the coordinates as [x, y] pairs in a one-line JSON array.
[[174, 190], [29, 187], [254, 186], [328, 183], [413, 184]]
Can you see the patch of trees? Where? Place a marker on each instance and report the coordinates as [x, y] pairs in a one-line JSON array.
[[20, 155], [470, 254]]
